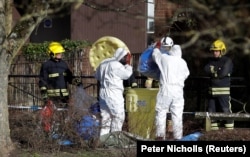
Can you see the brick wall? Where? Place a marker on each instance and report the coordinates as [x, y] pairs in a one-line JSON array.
[[164, 11]]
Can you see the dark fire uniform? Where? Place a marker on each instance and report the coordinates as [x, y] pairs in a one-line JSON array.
[[54, 77], [220, 70]]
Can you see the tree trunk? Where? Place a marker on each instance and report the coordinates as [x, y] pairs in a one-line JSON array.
[[5, 140], [11, 41], [6, 144]]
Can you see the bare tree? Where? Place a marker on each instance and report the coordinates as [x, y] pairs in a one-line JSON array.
[[205, 20], [198, 23], [12, 39]]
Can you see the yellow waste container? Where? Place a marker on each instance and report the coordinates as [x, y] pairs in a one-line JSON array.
[[140, 108]]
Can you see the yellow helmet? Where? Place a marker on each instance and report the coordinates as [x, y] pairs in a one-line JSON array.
[[55, 47], [218, 45]]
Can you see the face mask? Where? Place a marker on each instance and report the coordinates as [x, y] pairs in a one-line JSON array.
[[123, 60]]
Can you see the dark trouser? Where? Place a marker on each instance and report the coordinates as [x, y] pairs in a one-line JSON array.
[[221, 104]]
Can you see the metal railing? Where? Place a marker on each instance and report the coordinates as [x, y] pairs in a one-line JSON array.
[[23, 87]]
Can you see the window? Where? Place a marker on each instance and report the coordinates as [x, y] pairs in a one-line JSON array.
[[150, 19], [150, 22]]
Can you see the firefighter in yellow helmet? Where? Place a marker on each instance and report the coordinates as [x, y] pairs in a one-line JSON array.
[[54, 78], [55, 75], [219, 68]]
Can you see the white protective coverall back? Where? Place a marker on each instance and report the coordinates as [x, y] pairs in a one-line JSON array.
[[111, 73], [174, 72]]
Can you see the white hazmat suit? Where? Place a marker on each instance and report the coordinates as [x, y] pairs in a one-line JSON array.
[[174, 72], [111, 73]]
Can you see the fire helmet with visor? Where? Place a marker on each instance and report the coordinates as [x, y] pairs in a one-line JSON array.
[[218, 45], [55, 48]]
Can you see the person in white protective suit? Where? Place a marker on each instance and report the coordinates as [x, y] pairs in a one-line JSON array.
[[110, 73], [165, 45], [174, 72]]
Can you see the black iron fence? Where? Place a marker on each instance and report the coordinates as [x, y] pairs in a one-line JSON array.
[[23, 87]]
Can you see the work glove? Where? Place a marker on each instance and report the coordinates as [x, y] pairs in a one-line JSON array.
[[44, 93], [77, 81], [158, 45], [213, 70], [148, 83], [128, 59], [134, 85]]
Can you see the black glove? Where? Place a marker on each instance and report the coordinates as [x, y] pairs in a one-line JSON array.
[[77, 81], [44, 95]]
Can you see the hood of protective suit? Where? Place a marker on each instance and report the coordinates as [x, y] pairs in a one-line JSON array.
[[120, 53], [175, 51]]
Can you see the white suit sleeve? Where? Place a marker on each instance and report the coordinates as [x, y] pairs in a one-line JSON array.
[[156, 54], [186, 71], [123, 71]]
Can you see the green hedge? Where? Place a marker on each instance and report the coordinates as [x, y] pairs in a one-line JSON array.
[[38, 51]]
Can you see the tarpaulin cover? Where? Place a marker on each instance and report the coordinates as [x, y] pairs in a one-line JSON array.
[[88, 127]]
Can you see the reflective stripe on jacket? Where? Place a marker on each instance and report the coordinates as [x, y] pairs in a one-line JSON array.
[[54, 77], [57, 92]]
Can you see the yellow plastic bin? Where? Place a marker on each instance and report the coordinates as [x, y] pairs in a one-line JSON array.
[[140, 108]]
